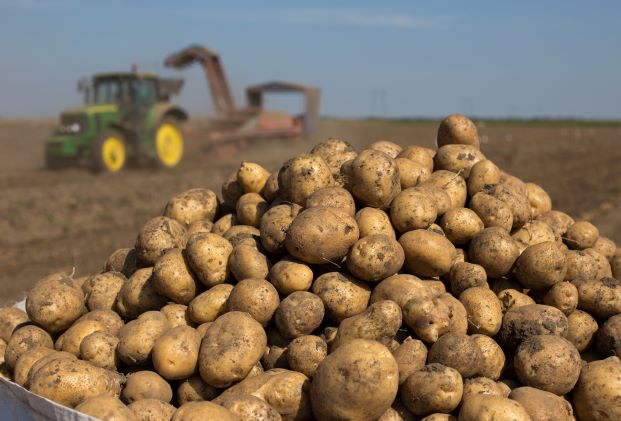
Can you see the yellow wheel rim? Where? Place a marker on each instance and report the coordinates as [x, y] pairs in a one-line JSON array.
[[169, 144], [113, 153]]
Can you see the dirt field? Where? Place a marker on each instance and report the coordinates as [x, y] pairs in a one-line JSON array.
[[52, 221]]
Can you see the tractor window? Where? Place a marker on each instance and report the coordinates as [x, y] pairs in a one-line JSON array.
[[143, 92], [107, 91]]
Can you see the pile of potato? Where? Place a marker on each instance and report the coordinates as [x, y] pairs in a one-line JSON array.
[[387, 284]]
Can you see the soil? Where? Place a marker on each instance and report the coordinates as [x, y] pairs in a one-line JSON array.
[[71, 220]]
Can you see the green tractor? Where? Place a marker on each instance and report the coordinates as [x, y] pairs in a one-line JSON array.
[[127, 119]]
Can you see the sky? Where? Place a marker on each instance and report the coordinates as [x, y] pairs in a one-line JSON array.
[[384, 59]]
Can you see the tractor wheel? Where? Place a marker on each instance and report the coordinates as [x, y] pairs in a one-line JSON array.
[[109, 151], [168, 143]]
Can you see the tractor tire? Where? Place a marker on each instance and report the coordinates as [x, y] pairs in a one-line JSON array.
[[109, 151], [168, 143]]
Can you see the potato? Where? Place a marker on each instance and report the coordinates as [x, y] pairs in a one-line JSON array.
[[274, 225], [609, 337], [439, 417], [606, 247], [581, 266], [70, 382], [516, 200], [247, 262], [374, 221], [541, 266], [539, 200], [375, 257], [110, 319], [195, 389], [72, 338], [492, 212], [196, 411], [103, 289], [374, 179], [138, 295], [289, 275], [412, 173], [177, 315], [152, 410], [146, 385], [243, 234], [54, 355], [389, 148], [343, 295], [231, 190], [453, 184], [484, 386], [564, 296], [412, 209], [428, 317], [99, 349], [601, 298], [107, 408], [460, 225], [484, 310], [173, 278], [223, 224], [206, 307], [532, 233], [542, 405], [11, 318], [332, 147], [332, 197], [581, 328], [411, 356], [357, 381], [458, 317], [303, 175], [250, 208], [175, 353], [252, 177], [305, 353], [401, 288], [457, 158], [418, 154], [535, 319], [274, 357], [491, 408], [379, 322], [598, 391], [271, 190], [257, 297], [136, 338], [427, 253], [158, 235], [55, 303], [483, 174], [24, 339], [192, 205], [208, 256], [581, 235], [457, 351], [603, 266], [233, 344], [124, 260], [299, 314], [464, 275], [434, 388], [202, 225], [557, 220], [495, 250], [25, 362], [457, 129], [249, 407], [492, 360]]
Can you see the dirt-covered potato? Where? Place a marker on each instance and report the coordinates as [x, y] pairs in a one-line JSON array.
[[598, 391], [233, 344], [539, 200], [332, 197], [223, 224], [374, 221], [70, 382], [581, 266], [247, 262], [173, 278], [492, 362], [428, 317], [158, 235], [491, 408], [343, 295], [418, 154], [357, 381], [99, 349], [196, 411], [460, 225], [107, 408], [541, 266], [516, 200], [482, 175], [412, 209], [433, 388], [177, 315], [411, 356], [175, 353], [604, 269], [457, 158], [271, 190], [138, 295], [464, 275], [600, 297], [24, 339], [288, 275], [202, 225], [243, 234], [457, 129], [124, 260], [321, 235], [513, 298], [10, 319], [457, 351], [250, 208], [136, 338], [249, 407], [256, 297], [192, 205], [609, 337], [231, 190], [484, 310], [557, 220], [305, 353], [54, 303], [532, 233], [335, 152], [375, 257], [25, 362], [274, 225], [401, 288], [207, 306], [152, 410], [389, 148], [299, 314], [495, 250], [523, 322], [103, 289], [412, 173], [581, 235], [208, 256], [252, 177], [374, 179], [71, 339], [110, 319], [581, 328], [379, 322], [606, 247], [453, 184], [427, 253], [146, 385], [492, 212], [55, 355], [303, 175], [484, 386], [542, 405], [195, 389], [564, 296]]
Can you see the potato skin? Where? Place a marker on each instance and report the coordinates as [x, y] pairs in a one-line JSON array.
[[55, 303], [609, 337], [411, 173], [250, 208], [72, 338], [99, 349], [305, 353], [175, 353], [257, 297], [427, 253], [379, 322], [10, 319], [192, 205], [136, 338], [375, 257], [598, 391], [457, 351], [208, 256], [343, 295], [581, 328], [401, 288], [484, 310], [484, 386], [483, 173], [173, 278], [303, 175], [374, 221], [601, 298], [357, 381], [274, 225], [418, 154], [299, 314], [492, 211], [453, 184], [26, 361], [557, 220], [250, 407], [124, 260], [146, 385], [106, 408], [460, 225], [538, 199], [542, 405], [288, 275], [534, 319], [564, 296], [332, 197], [457, 129], [207, 306], [110, 319], [389, 148], [24, 339], [492, 358], [412, 209], [517, 201], [495, 250], [490, 408], [158, 235], [411, 356], [152, 410], [457, 158], [464, 275], [103, 290], [374, 179], [581, 235], [247, 262], [252, 177], [541, 266], [138, 295], [233, 344], [434, 388]]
